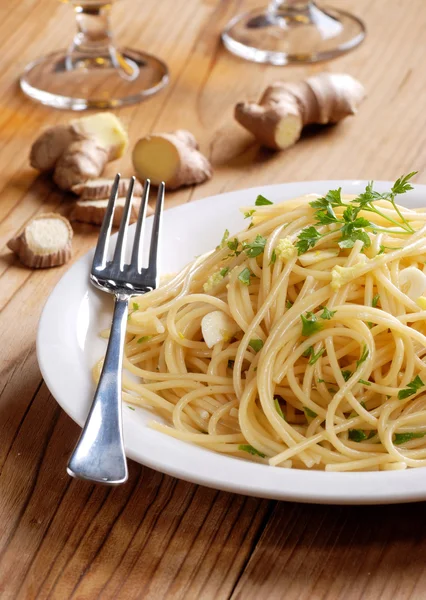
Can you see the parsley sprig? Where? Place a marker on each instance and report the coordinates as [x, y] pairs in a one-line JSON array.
[[411, 389], [351, 226]]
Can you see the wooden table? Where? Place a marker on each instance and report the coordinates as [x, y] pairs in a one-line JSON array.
[[157, 537]]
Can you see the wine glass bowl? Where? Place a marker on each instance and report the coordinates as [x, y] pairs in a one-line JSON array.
[[292, 31], [93, 72]]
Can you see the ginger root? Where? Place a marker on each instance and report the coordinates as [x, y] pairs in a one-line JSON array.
[[79, 151], [93, 211], [97, 189], [46, 241], [170, 157], [285, 108]]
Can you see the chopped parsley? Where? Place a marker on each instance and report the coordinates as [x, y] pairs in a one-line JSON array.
[[262, 201], [401, 438], [224, 271], [233, 246], [327, 314], [278, 408], [364, 382], [131, 407], [273, 257], [288, 303], [411, 388], [256, 247], [375, 300], [224, 240], [357, 435], [251, 450], [249, 213], [144, 338], [310, 324], [135, 306], [245, 275], [256, 344], [313, 357], [363, 357], [346, 375], [309, 413]]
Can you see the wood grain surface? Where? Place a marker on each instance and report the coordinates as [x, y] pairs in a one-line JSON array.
[[157, 537]]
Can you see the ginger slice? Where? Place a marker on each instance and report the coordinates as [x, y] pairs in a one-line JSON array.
[[96, 189], [96, 139], [170, 157], [93, 211], [46, 241], [285, 108]]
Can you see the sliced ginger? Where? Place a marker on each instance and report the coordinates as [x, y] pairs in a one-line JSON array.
[[46, 241], [93, 211], [170, 157], [285, 108], [96, 189], [79, 151]]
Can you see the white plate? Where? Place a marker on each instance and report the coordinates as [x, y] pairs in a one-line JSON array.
[[68, 345]]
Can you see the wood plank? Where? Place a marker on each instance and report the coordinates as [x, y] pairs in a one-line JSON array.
[[157, 537]]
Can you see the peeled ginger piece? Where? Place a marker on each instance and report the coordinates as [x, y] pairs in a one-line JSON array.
[[170, 157], [46, 241], [106, 129]]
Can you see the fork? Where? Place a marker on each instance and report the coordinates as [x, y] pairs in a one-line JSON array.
[[99, 455]]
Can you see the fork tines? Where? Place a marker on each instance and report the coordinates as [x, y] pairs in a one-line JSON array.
[[116, 268]]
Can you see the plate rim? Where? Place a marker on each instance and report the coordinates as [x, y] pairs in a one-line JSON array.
[[298, 489]]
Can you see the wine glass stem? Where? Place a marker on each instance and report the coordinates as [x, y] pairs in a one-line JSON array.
[[93, 29], [300, 5]]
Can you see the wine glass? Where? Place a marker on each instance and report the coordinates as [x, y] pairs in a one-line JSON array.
[[292, 31], [93, 73]]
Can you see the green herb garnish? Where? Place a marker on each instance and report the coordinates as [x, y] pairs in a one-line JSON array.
[[273, 257], [411, 388], [144, 338], [363, 357], [224, 271], [357, 435], [364, 382], [401, 438], [375, 300], [251, 450], [309, 413], [249, 213], [288, 303], [256, 344], [224, 240], [310, 324], [315, 356], [256, 247], [131, 407], [262, 201], [351, 226], [278, 408], [327, 314], [346, 375], [245, 275]]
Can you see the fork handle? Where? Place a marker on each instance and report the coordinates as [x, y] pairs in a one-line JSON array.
[[99, 455]]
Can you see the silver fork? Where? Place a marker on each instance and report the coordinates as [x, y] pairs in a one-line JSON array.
[[99, 455]]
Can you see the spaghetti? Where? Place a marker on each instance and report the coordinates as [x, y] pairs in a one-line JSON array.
[[300, 342]]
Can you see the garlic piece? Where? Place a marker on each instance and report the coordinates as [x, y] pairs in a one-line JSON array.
[[412, 282], [217, 327]]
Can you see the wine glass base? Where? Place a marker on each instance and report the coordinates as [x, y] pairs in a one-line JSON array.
[[290, 35], [84, 82]]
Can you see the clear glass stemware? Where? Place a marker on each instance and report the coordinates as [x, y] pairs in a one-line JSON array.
[[93, 72], [292, 31]]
